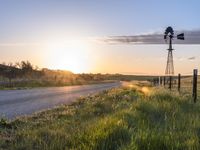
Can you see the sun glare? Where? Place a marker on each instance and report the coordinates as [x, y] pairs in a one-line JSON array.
[[145, 90], [73, 55]]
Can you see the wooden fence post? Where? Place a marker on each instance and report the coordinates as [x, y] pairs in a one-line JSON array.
[[179, 82], [194, 91], [157, 81], [154, 81], [161, 79], [170, 82], [164, 81]]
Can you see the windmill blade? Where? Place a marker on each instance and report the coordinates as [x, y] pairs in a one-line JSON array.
[[191, 37]]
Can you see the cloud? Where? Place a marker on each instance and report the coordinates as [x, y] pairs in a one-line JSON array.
[[191, 37], [192, 58]]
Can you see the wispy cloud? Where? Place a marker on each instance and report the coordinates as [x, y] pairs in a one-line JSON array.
[[192, 58], [191, 37]]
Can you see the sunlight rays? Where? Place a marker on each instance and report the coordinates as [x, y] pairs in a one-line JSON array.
[[73, 54]]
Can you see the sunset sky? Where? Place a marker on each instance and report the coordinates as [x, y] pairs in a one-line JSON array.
[[64, 34]]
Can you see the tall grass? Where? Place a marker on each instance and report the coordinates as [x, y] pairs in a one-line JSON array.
[[123, 118]]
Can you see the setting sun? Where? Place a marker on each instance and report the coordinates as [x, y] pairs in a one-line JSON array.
[[73, 55]]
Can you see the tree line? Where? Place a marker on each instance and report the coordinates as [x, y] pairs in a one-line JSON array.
[[17, 70], [22, 74]]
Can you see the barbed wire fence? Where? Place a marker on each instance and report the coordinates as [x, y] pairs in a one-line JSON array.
[[183, 83]]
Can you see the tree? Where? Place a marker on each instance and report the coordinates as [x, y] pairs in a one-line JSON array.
[[26, 67], [10, 71]]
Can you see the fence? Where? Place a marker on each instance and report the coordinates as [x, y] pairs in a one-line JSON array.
[[186, 84]]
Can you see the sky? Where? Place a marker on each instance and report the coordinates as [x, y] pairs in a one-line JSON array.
[[64, 34]]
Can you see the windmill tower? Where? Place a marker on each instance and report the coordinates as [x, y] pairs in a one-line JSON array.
[[169, 35]]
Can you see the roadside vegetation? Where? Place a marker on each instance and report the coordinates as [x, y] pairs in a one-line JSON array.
[[132, 117], [22, 75]]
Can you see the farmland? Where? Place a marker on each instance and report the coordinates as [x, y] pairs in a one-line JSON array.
[[135, 116]]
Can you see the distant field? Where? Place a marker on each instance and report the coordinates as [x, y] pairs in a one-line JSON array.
[[133, 117]]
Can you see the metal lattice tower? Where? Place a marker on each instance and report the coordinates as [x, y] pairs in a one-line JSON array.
[[169, 34], [170, 64]]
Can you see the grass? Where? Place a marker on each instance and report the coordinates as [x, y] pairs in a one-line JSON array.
[[135, 118]]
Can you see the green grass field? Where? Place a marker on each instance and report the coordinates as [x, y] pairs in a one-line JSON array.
[[128, 118]]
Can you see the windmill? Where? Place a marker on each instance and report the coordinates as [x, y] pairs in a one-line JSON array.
[[169, 35]]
